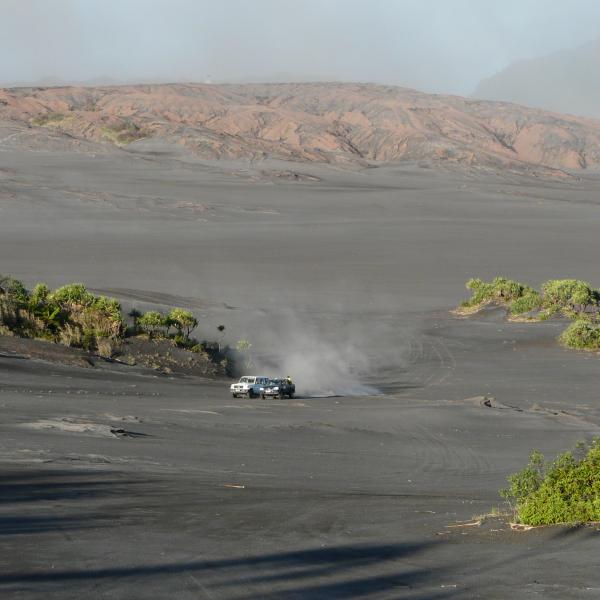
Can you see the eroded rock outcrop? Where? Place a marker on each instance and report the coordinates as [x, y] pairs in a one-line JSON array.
[[352, 124]]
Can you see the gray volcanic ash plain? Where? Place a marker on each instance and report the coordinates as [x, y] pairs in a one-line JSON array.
[[120, 482]]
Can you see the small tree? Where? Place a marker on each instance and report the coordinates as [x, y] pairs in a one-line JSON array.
[[152, 323], [184, 321]]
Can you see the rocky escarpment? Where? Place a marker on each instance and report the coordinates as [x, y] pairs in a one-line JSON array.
[[350, 124]]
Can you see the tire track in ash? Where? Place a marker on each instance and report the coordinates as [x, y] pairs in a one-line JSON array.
[[444, 459], [431, 361]]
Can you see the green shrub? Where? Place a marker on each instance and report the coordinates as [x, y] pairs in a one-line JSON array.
[[71, 314], [152, 323], [503, 291], [564, 491], [528, 302], [13, 300], [527, 481], [108, 306], [74, 316], [183, 320], [481, 292], [568, 296], [39, 295], [13, 290], [582, 334], [507, 289], [95, 316], [74, 293]]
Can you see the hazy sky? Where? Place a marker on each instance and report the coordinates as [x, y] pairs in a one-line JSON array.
[[433, 45]]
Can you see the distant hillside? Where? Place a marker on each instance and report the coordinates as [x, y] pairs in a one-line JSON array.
[[349, 124], [567, 82]]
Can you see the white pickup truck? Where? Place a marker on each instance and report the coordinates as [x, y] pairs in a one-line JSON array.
[[250, 386]]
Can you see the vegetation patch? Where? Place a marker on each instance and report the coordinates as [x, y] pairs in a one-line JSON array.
[[124, 132], [566, 490], [51, 119], [72, 316], [517, 297], [582, 334], [566, 298]]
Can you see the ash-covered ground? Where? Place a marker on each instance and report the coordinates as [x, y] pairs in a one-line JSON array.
[[117, 482]]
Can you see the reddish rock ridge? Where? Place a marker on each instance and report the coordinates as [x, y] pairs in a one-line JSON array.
[[320, 122]]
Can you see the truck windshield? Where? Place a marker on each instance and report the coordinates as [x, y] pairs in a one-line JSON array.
[[247, 380]]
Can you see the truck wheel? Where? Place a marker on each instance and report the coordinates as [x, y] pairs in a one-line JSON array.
[[234, 395], [291, 395], [251, 394]]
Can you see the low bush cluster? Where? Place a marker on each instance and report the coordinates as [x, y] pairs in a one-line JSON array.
[[582, 334], [157, 325], [73, 316], [519, 298], [570, 298], [566, 490]]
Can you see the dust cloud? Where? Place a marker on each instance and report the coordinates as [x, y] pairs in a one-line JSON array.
[[327, 356]]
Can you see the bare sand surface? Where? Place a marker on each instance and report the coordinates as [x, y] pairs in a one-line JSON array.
[[120, 483]]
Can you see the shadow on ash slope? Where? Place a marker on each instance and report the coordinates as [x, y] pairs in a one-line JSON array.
[[335, 356]]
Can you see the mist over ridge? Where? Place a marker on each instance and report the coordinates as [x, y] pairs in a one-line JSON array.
[[433, 46], [565, 81]]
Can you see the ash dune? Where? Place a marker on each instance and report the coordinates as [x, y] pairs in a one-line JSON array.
[[351, 124]]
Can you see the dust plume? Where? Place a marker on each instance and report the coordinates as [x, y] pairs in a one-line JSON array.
[[328, 357]]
